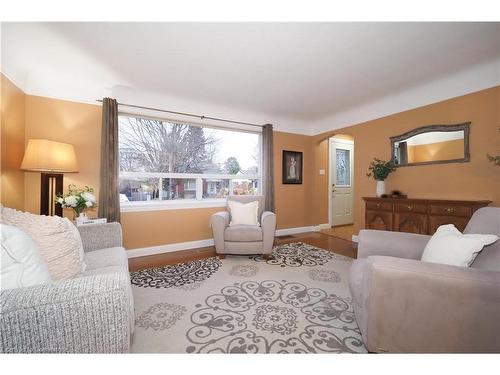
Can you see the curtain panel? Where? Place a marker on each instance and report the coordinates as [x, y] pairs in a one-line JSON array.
[[109, 197], [268, 166]]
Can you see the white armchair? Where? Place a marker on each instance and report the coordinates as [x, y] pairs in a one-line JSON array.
[[244, 239]]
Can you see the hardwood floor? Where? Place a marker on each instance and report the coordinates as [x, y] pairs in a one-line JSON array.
[[344, 231], [323, 241]]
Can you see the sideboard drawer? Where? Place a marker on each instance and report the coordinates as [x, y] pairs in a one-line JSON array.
[[411, 207], [451, 210], [436, 221], [384, 206]]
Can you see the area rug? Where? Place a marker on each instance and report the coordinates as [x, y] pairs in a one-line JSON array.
[[296, 302]]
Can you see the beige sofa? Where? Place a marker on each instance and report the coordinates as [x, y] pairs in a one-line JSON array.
[[244, 239], [405, 305]]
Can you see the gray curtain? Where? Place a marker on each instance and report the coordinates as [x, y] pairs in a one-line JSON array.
[[109, 197], [268, 166]]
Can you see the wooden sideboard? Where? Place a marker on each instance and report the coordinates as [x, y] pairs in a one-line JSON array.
[[421, 216]]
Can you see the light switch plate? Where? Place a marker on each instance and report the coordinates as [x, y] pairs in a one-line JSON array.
[[321, 172]]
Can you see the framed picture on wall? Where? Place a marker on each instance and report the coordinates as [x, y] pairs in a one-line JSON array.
[[292, 167]]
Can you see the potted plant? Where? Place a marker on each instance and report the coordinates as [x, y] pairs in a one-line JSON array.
[[79, 200], [380, 170]]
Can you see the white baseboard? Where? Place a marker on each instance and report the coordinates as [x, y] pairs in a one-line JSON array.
[[319, 227], [153, 250], [288, 231], [171, 247]]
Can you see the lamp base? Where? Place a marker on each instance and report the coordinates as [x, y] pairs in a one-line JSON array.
[[51, 184]]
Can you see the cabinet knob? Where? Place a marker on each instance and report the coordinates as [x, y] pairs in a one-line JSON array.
[[377, 205], [409, 208], [449, 210]]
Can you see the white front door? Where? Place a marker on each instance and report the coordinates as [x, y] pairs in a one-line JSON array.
[[341, 181]]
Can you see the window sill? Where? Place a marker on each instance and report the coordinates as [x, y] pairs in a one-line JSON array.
[[181, 204]]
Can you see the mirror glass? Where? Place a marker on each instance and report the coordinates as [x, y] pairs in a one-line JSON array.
[[429, 145]]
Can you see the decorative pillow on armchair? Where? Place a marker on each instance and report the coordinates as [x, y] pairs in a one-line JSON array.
[[57, 239], [449, 246], [243, 213]]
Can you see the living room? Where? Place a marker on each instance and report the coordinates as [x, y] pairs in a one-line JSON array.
[[250, 187]]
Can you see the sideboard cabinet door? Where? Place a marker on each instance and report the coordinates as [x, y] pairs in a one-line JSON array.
[[379, 220], [410, 222]]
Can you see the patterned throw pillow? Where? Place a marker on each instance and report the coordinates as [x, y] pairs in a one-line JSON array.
[[57, 238]]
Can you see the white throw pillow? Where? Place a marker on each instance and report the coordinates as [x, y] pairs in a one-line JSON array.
[[57, 239], [449, 246], [243, 213], [22, 263]]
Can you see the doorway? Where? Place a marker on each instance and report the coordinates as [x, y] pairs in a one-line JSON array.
[[341, 182]]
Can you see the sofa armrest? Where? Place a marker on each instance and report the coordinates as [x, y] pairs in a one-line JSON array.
[[415, 306], [100, 236], [219, 221], [268, 224], [394, 244], [85, 315]]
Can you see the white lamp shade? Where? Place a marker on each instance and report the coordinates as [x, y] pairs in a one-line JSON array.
[[43, 155]]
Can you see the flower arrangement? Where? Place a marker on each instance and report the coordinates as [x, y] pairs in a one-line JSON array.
[[380, 169], [77, 199]]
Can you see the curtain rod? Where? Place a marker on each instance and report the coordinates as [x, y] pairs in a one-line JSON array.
[[201, 117]]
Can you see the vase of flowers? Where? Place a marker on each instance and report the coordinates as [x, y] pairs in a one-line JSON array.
[[79, 200], [380, 170]]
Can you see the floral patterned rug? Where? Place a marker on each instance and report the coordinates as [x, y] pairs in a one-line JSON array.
[[296, 302]]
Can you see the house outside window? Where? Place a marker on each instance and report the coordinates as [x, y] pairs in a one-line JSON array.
[[165, 164]]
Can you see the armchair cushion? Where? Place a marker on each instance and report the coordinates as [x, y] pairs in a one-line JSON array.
[[243, 233]]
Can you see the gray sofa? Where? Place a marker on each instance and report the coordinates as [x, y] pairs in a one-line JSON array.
[[405, 305], [244, 239], [90, 314]]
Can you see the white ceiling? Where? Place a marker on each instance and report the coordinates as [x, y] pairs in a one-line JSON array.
[[305, 77]]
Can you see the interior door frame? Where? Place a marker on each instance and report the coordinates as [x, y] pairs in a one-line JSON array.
[[331, 140]]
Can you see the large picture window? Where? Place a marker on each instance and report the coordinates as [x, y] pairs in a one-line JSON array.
[[164, 163]]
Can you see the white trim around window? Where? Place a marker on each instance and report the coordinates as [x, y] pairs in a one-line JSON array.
[[179, 204]]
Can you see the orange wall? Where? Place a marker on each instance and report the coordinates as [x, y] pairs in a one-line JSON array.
[[293, 202], [154, 228], [478, 179], [447, 150], [69, 122], [12, 144]]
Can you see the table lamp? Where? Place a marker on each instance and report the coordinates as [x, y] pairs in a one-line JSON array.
[[52, 159]]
